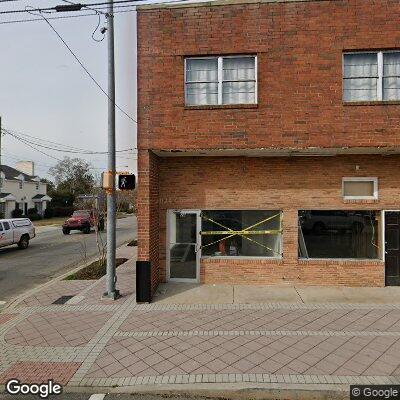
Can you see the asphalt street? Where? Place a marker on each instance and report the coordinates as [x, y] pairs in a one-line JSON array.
[[87, 396], [51, 254]]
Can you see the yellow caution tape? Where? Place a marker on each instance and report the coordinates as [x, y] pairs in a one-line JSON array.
[[241, 233]]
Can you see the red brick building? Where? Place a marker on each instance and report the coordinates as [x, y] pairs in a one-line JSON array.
[[269, 141]]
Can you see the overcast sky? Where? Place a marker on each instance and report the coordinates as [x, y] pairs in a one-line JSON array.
[[45, 93]]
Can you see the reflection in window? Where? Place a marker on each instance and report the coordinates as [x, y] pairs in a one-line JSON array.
[[241, 233], [183, 245], [338, 234]]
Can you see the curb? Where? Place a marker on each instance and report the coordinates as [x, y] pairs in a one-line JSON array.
[[18, 299], [233, 391], [230, 391]]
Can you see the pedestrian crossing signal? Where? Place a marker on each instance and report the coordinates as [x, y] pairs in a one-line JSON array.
[[126, 182]]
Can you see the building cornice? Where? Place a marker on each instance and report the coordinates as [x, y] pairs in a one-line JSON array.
[[216, 3]]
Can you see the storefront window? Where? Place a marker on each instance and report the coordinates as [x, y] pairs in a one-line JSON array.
[[241, 233], [338, 234]]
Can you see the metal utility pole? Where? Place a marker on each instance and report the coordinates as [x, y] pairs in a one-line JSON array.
[[111, 291], [111, 193]]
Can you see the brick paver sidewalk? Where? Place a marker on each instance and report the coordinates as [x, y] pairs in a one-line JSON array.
[[95, 342]]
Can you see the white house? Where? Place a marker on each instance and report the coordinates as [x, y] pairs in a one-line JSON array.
[[21, 189]]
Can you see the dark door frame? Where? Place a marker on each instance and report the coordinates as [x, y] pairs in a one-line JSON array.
[[384, 239]]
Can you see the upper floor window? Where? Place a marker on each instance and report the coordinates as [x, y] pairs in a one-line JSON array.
[[220, 80], [372, 76], [360, 188]]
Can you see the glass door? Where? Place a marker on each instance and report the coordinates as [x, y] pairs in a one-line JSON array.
[[183, 245]]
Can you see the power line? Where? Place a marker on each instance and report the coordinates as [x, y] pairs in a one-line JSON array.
[[84, 6], [36, 149], [41, 140], [91, 5], [48, 155], [46, 141], [54, 8], [17, 21], [86, 70], [49, 145]]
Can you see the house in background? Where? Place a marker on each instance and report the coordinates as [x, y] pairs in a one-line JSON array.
[[269, 142], [21, 189]]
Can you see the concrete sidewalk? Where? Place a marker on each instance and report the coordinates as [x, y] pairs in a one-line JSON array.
[[186, 293], [241, 344]]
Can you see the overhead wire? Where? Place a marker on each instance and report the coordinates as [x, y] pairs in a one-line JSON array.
[[36, 149], [82, 65], [95, 30], [17, 21], [44, 153], [98, 12], [86, 5], [104, 4], [82, 14], [50, 145]]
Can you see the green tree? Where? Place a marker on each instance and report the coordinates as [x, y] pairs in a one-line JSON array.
[[72, 177]]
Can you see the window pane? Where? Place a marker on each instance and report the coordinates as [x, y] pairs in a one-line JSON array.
[[239, 69], [201, 93], [391, 88], [202, 70], [391, 64], [360, 89], [338, 234], [360, 76], [263, 239], [182, 258], [183, 228], [238, 92], [360, 65], [358, 188]]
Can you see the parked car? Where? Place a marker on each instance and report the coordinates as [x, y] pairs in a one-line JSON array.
[[17, 231], [319, 222], [84, 221]]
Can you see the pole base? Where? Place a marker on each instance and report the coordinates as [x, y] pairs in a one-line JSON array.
[[111, 295]]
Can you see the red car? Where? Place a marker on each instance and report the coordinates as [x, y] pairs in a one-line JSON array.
[[84, 221]]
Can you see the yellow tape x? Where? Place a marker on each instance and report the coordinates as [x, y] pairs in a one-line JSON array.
[[243, 233]]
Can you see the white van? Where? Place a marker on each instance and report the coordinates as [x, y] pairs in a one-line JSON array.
[[16, 231]]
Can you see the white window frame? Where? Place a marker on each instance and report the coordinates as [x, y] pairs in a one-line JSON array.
[[379, 85], [361, 179], [220, 79]]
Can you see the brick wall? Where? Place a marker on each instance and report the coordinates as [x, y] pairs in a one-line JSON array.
[[148, 213], [289, 184], [299, 47]]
